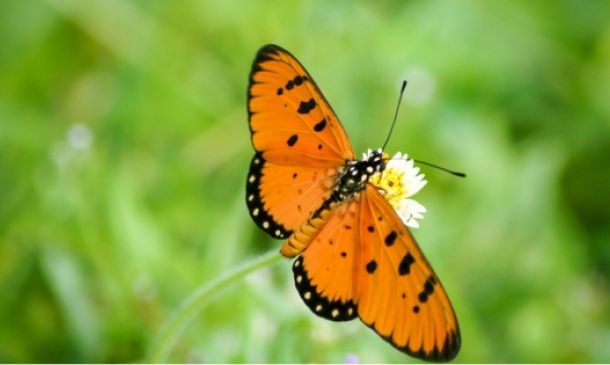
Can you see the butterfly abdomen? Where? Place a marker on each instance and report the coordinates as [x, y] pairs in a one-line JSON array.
[[302, 237]]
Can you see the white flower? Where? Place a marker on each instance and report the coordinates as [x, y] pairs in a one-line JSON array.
[[398, 182]]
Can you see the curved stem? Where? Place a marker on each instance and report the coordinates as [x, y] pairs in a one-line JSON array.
[[191, 306]]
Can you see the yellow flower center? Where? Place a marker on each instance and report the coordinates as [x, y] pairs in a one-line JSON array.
[[391, 184]]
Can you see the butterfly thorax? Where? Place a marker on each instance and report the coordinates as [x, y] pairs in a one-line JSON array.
[[356, 174], [351, 181]]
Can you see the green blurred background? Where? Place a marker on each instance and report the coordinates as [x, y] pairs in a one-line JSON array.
[[124, 149]]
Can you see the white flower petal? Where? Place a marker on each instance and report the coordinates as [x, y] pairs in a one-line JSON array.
[[409, 220], [412, 223], [414, 206], [413, 186], [401, 180], [409, 211]]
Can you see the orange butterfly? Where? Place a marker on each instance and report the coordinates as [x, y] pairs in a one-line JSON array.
[[355, 255]]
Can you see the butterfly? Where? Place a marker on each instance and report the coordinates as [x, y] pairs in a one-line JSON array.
[[354, 255]]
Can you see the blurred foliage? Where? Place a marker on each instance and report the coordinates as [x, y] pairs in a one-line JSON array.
[[124, 149]]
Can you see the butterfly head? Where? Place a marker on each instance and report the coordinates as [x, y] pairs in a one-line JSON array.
[[357, 173], [374, 161]]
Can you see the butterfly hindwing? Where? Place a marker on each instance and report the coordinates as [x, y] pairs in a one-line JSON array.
[[300, 143], [261, 216], [334, 309], [326, 267], [281, 198]]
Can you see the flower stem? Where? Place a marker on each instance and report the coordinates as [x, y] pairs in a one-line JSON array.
[[191, 306]]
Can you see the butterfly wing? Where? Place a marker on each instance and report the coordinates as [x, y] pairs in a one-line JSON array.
[[399, 295], [364, 261], [324, 274], [300, 144]]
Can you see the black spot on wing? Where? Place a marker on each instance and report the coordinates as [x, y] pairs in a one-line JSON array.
[[256, 206], [390, 238], [318, 303], [296, 81], [405, 264], [319, 127], [427, 290], [306, 106], [371, 266], [292, 140]]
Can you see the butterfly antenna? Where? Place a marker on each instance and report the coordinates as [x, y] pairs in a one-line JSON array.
[[456, 173], [402, 91]]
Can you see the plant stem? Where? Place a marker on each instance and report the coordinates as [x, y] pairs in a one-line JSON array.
[[191, 306]]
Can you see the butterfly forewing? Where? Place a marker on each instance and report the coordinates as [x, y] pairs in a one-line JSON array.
[[402, 299], [290, 120], [301, 146]]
